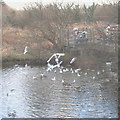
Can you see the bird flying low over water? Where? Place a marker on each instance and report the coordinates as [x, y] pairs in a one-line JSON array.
[[56, 55], [25, 50], [57, 60], [73, 60], [58, 64], [50, 67]]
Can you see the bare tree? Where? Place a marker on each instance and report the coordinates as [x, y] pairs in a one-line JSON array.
[[56, 17], [89, 12], [76, 13]]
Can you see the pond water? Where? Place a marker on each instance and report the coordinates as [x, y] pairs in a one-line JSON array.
[[91, 94]]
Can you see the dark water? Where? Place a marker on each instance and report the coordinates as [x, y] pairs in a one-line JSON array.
[[91, 95]]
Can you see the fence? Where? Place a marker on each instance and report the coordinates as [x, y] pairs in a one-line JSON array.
[[89, 38]]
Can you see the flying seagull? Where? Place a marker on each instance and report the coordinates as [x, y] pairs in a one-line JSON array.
[[25, 50], [73, 60]]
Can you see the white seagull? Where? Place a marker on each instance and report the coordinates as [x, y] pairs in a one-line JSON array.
[[16, 65], [26, 65], [50, 67], [63, 81], [78, 74], [107, 80], [34, 77], [53, 79], [108, 63], [85, 73], [73, 60], [71, 70], [65, 70], [73, 81], [103, 70], [77, 70], [98, 72], [61, 71], [25, 50], [42, 75], [56, 55]]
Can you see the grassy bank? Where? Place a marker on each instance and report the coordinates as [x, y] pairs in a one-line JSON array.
[[24, 59], [15, 40]]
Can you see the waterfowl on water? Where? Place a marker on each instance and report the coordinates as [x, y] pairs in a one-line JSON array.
[[12, 114], [53, 79]]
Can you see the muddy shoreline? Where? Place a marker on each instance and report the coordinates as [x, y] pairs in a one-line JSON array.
[[93, 63]]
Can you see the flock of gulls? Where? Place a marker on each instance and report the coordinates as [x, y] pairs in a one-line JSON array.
[[59, 68], [58, 65], [62, 70]]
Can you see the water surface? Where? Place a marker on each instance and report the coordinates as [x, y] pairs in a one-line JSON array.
[[92, 95]]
